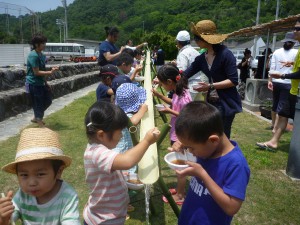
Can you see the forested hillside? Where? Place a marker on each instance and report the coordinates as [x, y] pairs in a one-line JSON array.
[[165, 18]]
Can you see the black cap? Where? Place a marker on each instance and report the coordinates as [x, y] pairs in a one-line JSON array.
[[109, 69]]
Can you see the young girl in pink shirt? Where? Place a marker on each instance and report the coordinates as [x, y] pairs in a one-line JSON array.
[[171, 79]]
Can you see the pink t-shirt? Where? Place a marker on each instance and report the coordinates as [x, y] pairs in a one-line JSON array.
[[108, 200], [178, 102]]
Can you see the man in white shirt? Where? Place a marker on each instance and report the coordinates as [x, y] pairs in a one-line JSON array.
[[282, 61], [186, 56], [129, 44]]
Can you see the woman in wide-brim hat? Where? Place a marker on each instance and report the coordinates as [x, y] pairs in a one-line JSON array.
[[219, 65]]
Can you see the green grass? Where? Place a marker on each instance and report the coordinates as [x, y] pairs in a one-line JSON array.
[[271, 197]]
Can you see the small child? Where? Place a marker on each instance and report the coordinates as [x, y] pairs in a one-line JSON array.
[[104, 90], [43, 198], [124, 63], [108, 200], [171, 80], [221, 173], [130, 99]]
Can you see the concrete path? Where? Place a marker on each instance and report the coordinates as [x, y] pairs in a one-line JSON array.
[[13, 125]]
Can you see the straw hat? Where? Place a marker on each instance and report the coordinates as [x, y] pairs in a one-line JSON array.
[[207, 30], [37, 144]]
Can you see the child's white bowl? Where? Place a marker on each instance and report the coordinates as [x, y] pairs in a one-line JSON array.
[[139, 79], [132, 186], [178, 156], [160, 107]]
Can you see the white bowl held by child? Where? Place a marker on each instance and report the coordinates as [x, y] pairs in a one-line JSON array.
[[133, 182], [176, 160]]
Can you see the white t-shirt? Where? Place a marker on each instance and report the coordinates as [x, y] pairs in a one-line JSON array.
[[186, 56], [281, 55]]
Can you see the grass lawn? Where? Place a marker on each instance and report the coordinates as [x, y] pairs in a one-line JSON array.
[[271, 197]]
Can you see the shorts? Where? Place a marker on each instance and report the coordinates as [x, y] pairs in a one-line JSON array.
[[281, 100]]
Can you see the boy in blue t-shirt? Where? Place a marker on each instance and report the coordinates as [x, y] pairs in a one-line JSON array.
[[104, 90], [221, 174]]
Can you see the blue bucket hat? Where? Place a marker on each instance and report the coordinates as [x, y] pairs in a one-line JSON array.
[[130, 97]]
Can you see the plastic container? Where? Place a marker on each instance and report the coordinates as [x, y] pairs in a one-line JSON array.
[[178, 156], [132, 186]]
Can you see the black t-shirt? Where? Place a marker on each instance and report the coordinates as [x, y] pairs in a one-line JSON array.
[[160, 60]]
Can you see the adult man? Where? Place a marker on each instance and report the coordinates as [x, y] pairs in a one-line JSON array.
[[286, 102], [186, 56]]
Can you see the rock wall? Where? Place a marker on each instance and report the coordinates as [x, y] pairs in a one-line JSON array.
[[70, 78]]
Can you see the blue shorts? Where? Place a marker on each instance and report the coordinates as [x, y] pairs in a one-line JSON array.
[[282, 101]]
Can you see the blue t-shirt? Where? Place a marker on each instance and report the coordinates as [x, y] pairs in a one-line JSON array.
[[223, 67], [101, 93], [104, 47], [231, 172], [35, 60]]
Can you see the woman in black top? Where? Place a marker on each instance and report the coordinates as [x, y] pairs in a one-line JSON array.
[[244, 66]]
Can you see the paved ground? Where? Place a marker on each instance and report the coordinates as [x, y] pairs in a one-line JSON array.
[[13, 125]]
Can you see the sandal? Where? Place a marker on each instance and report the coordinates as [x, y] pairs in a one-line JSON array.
[[265, 147], [179, 202]]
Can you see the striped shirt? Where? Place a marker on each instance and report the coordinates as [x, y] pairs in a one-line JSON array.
[[107, 203], [60, 210]]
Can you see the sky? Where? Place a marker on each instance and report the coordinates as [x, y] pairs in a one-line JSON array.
[[36, 5]]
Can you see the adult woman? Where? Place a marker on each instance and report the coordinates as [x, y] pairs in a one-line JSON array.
[[108, 51], [219, 65], [36, 82]]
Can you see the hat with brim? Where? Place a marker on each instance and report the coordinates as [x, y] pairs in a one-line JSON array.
[[130, 97], [207, 30], [289, 37], [38, 144]]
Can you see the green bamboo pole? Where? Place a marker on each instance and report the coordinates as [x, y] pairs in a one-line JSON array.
[[163, 133], [168, 195], [133, 136]]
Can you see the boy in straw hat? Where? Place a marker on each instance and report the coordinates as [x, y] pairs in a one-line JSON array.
[[43, 198]]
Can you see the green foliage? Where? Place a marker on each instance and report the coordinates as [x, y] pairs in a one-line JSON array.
[[87, 18]]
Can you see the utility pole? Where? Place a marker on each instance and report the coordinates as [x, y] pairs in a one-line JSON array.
[[257, 22], [143, 28], [64, 3], [61, 23], [276, 18]]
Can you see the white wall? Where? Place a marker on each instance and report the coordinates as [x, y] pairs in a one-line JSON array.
[[13, 54]]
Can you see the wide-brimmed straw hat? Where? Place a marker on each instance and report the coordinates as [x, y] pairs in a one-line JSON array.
[[38, 144], [207, 30]]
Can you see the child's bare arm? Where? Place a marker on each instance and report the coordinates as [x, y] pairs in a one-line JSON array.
[[169, 110], [136, 71], [110, 92], [162, 97], [131, 157], [136, 118], [229, 204], [6, 209]]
